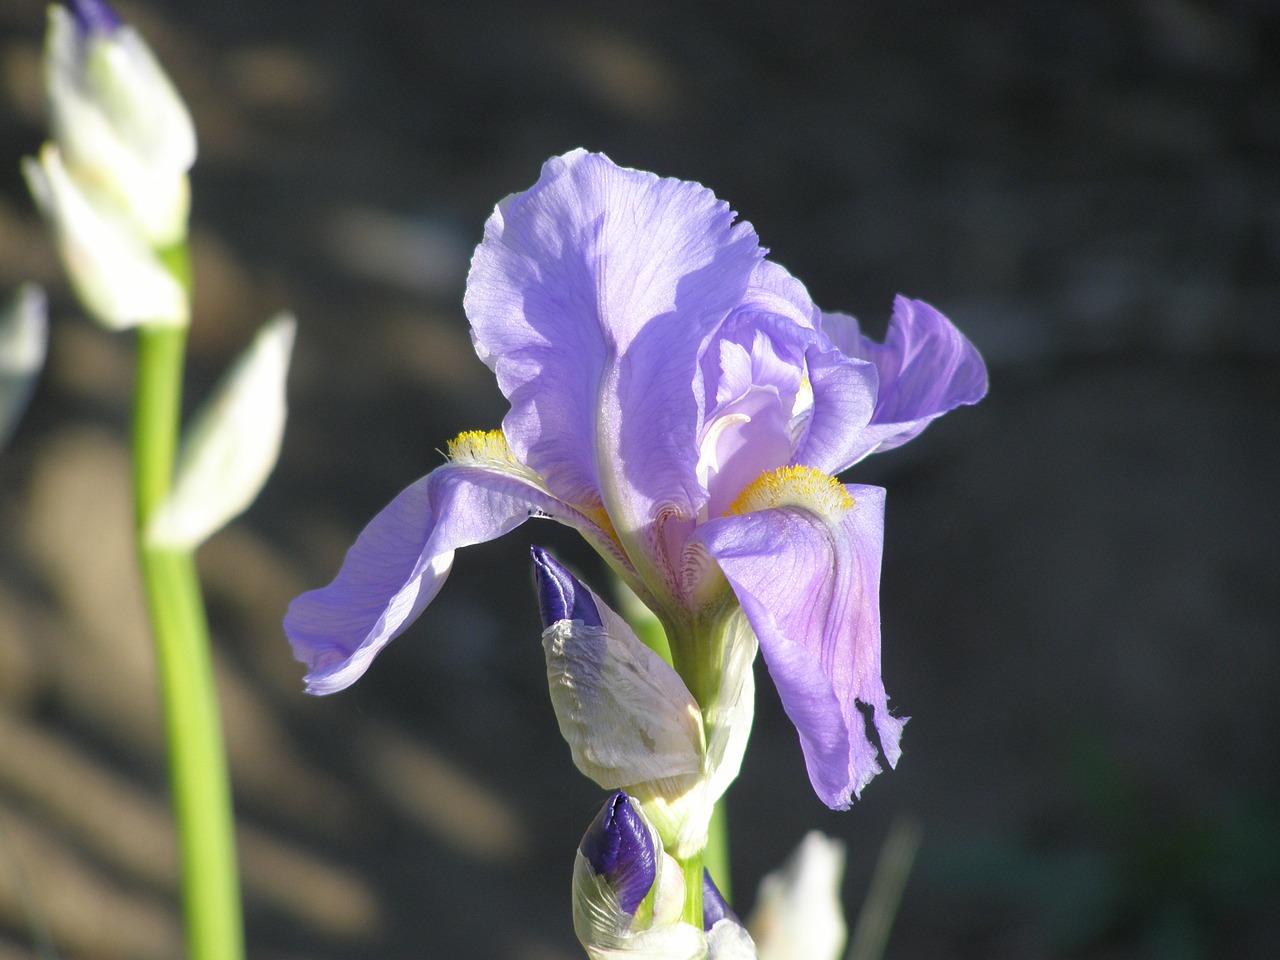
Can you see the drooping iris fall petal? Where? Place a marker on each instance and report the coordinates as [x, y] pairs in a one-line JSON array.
[[400, 561], [926, 368], [806, 569]]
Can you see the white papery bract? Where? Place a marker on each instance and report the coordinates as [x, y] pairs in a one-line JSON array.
[[625, 713], [631, 722], [727, 940], [232, 444]]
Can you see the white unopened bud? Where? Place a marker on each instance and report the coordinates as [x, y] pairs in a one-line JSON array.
[[798, 914], [24, 334], [118, 277], [232, 444], [120, 124]]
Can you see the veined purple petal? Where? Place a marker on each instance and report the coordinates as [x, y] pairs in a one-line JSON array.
[[619, 846], [592, 296], [560, 595], [844, 397], [926, 367], [809, 585], [400, 561], [836, 396]]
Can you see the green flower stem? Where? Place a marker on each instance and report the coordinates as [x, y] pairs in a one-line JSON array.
[[197, 756], [693, 889], [716, 856]]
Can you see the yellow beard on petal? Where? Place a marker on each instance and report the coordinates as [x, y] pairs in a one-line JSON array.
[[482, 447], [794, 486], [489, 448]]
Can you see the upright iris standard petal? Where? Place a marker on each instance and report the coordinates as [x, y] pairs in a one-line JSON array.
[[401, 560], [591, 297], [927, 367], [804, 563]]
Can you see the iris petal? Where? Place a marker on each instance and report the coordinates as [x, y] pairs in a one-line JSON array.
[[809, 581], [592, 297], [926, 368], [400, 561]]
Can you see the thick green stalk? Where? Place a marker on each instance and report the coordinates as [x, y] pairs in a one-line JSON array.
[[693, 890], [193, 727], [715, 857]]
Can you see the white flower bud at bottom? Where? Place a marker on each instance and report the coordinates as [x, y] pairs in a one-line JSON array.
[[232, 444], [798, 914]]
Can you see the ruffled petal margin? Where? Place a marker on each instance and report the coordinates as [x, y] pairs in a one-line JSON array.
[[810, 587], [592, 297], [926, 365], [402, 558]]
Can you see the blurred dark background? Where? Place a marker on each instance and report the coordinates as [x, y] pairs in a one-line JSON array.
[[1080, 585]]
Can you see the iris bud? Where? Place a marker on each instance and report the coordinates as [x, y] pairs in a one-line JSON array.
[[560, 596], [116, 276], [628, 893], [629, 719], [626, 714], [123, 130], [112, 182]]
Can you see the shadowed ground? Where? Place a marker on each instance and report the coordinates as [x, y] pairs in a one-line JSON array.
[[1079, 599]]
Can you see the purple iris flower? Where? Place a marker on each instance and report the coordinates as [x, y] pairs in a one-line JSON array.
[[680, 401]]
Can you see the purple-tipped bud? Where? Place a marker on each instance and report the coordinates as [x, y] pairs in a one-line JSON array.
[[714, 908], [560, 595], [94, 17], [620, 847]]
